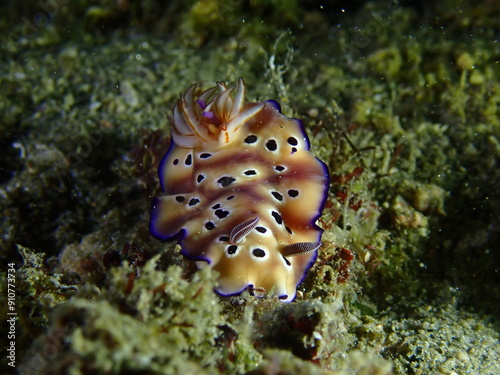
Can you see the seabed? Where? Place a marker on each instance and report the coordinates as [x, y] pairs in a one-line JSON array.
[[401, 100]]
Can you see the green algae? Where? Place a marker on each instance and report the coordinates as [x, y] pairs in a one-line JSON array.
[[38, 290], [355, 362], [144, 326], [430, 336], [406, 117]]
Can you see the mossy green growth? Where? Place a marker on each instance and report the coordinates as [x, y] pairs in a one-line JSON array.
[[115, 342], [251, 23], [386, 62], [433, 340], [40, 290], [37, 291], [156, 321], [355, 362]]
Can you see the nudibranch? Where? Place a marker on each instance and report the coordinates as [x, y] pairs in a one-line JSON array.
[[242, 192]]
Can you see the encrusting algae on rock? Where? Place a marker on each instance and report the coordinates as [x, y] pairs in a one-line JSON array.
[[165, 324]]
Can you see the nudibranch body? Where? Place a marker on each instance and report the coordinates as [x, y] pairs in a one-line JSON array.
[[242, 192]]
